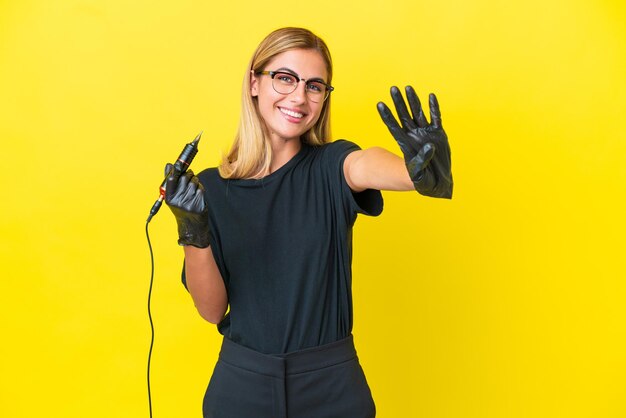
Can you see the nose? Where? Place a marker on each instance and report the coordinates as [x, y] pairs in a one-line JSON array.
[[299, 94]]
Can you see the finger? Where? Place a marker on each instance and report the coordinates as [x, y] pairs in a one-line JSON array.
[[168, 169], [194, 196], [171, 182], [190, 190], [194, 182], [416, 107], [435, 113], [401, 109], [200, 186], [172, 172], [182, 184], [197, 204], [390, 121], [408, 146]]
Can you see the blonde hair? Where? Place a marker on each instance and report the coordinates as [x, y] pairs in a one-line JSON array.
[[250, 155]]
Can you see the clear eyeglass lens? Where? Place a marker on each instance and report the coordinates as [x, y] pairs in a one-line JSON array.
[[284, 83]]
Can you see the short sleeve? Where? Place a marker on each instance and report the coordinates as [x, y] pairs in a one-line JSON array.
[[368, 202]]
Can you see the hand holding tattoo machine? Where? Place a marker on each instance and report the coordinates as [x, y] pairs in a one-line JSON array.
[[184, 195], [184, 160]]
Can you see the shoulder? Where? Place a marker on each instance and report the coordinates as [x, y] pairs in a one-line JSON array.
[[340, 146], [336, 151], [330, 158], [210, 177]]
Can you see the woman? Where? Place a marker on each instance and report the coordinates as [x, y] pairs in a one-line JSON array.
[[267, 235]]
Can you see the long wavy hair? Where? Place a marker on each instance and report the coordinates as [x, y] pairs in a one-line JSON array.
[[250, 155]]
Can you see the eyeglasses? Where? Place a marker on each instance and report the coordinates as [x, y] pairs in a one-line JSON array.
[[286, 83]]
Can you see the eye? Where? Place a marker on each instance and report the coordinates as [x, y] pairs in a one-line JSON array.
[[315, 87], [285, 78]]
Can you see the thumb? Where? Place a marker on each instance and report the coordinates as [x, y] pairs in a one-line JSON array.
[[426, 153], [174, 171], [420, 161]]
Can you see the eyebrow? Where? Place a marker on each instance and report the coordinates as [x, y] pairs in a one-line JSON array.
[[292, 72]]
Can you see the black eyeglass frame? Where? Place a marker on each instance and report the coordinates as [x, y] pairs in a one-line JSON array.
[[273, 74]]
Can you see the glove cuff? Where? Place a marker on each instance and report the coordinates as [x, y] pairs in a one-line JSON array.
[[441, 190]]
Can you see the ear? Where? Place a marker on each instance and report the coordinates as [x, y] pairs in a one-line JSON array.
[[254, 84]]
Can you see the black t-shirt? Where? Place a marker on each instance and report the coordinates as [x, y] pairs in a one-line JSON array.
[[283, 245]]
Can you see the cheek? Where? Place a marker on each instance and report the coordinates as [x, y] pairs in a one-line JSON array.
[[317, 114]]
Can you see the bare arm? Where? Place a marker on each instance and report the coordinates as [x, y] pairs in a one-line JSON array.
[[205, 283], [376, 168]]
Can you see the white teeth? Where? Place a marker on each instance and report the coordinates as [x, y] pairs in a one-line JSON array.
[[291, 113]]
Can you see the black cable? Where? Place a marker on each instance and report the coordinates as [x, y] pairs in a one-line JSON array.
[[185, 158], [150, 316]]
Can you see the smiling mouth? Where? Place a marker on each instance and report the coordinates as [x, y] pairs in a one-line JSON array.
[[291, 113]]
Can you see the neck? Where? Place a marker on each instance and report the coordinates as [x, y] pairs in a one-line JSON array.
[[283, 151]]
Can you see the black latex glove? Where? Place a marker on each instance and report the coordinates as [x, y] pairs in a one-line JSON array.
[[184, 195], [424, 145]]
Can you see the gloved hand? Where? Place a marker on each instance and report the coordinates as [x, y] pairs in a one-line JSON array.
[[184, 195], [424, 145]]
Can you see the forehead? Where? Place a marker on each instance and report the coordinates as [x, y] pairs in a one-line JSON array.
[[307, 63]]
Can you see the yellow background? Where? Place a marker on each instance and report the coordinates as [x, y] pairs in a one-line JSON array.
[[508, 301]]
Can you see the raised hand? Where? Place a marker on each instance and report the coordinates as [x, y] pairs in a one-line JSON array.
[[424, 145], [184, 195]]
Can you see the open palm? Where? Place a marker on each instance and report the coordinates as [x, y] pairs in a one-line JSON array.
[[424, 145]]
